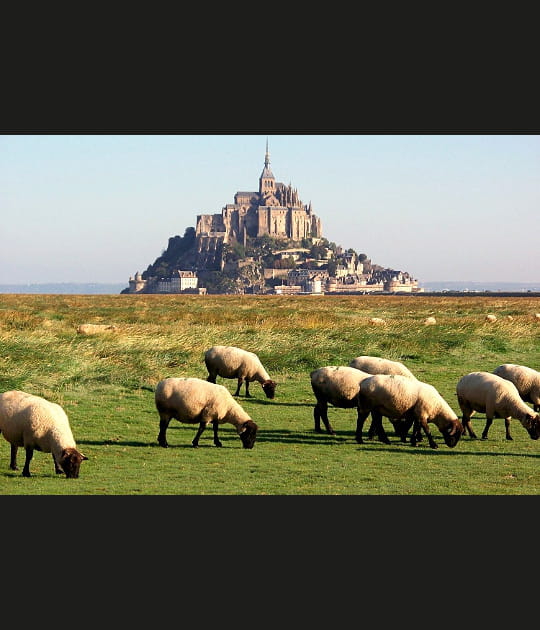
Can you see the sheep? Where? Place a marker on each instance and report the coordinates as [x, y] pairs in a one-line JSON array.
[[92, 329], [497, 398], [430, 321], [377, 321], [37, 424], [337, 385], [191, 400], [526, 379], [232, 362], [537, 316], [378, 365], [396, 396], [491, 318]]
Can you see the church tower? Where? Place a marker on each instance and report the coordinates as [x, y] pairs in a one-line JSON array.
[[267, 181]]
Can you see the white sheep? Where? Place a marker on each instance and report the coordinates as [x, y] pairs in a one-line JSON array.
[[497, 398], [377, 321], [491, 318], [430, 321], [93, 329], [396, 396], [245, 366], [192, 400], [37, 424], [379, 365], [526, 380], [337, 385]]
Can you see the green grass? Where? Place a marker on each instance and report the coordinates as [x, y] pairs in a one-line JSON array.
[[105, 383]]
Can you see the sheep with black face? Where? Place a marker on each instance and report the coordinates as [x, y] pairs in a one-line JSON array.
[[194, 400], [34, 423], [243, 365]]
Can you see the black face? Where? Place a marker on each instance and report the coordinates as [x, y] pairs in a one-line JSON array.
[[71, 463], [534, 428], [249, 434], [451, 439], [269, 388]]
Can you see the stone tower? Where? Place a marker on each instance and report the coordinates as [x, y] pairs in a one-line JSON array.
[[275, 209]]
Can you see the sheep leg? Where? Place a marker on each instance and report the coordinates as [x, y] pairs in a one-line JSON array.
[[237, 392], [202, 427], [507, 428], [486, 428], [162, 437], [360, 419], [57, 469], [13, 461], [415, 432], [418, 426], [28, 459], [467, 413], [321, 411], [215, 425], [466, 422], [371, 430], [381, 433], [247, 389], [401, 428]]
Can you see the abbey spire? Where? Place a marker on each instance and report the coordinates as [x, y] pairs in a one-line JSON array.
[[267, 181]]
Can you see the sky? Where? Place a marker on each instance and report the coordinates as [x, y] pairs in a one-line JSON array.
[[98, 208]]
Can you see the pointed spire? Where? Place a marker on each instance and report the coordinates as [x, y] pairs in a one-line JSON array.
[[267, 156]]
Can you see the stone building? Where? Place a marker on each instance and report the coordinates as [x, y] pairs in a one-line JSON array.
[[275, 209]]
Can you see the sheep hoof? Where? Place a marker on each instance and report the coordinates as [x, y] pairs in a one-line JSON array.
[[509, 438], [218, 444]]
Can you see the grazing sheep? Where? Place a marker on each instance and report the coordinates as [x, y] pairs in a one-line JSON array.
[[497, 398], [491, 318], [192, 400], [525, 379], [93, 329], [337, 385], [231, 362], [37, 424], [377, 321], [537, 316], [396, 396], [430, 321], [378, 365]]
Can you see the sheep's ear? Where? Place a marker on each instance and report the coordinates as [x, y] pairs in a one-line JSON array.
[[83, 457]]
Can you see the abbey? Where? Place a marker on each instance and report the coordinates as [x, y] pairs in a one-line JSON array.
[[274, 210]]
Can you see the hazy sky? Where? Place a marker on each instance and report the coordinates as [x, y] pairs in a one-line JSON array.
[[98, 208]]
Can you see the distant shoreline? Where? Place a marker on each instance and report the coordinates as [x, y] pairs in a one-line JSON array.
[[474, 289]]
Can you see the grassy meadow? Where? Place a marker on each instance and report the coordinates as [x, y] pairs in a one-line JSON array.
[[105, 383]]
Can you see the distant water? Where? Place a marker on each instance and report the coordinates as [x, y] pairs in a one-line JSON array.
[[83, 288], [115, 288], [462, 285]]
